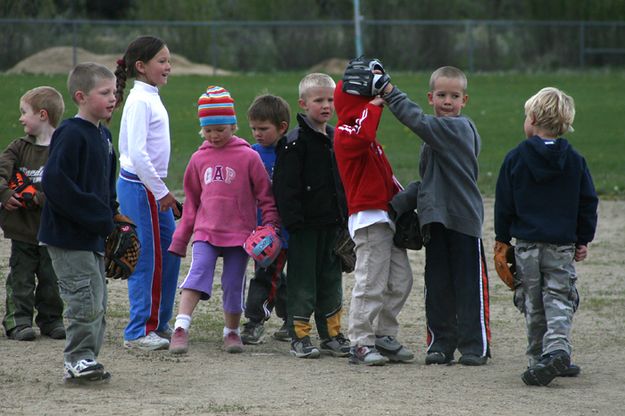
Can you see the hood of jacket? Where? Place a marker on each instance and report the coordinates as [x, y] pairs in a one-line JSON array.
[[348, 107], [545, 161], [235, 141]]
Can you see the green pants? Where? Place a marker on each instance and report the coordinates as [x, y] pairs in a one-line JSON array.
[[315, 282], [31, 284]]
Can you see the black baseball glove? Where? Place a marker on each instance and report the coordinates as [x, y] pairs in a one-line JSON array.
[[359, 78], [344, 250], [122, 249]]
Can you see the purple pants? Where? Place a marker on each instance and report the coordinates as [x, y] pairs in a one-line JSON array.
[[202, 272]]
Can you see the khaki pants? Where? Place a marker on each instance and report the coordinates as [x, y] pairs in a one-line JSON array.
[[82, 284], [383, 283]]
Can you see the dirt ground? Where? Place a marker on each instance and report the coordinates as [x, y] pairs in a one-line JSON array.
[[266, 380]]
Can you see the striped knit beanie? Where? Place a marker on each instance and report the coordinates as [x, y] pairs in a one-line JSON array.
[[216, 106]]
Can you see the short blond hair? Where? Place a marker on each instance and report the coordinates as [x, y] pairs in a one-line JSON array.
[[552, 109], [85, 76], [315, 80], [449, 72], [48, 99]]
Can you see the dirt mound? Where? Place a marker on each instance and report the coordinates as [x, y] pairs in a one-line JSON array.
[[60, 60], [331, 66]]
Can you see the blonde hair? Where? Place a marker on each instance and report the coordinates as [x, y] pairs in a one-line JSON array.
[[552, 109], [448, 72], [48, 99], [85, 76], [315, 80]]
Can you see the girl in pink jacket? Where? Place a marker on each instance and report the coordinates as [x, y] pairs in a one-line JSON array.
[[224, 183]]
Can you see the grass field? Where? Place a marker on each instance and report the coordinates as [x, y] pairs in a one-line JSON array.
[[496, 106]]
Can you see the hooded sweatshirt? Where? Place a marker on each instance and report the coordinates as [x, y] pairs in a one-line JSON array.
[[223, 188], [545, 194], [365, 171]]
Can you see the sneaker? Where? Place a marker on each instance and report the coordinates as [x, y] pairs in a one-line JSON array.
[[253, 333], [85, 371], [572, 371], [337, 346], [22, 333], [472, 360], [551, 366], [366, 355], [282, 334], [389, 347], [232, 343], [150, 342], [166, 333], [437, 357], [56, 333], [179, 343], [303, 348]]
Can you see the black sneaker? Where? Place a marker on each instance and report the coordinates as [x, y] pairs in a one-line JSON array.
[[437, 357], [572, 371], [303, 348], [22, 333], [282, 334], [253, 333], [472, 360], [85, 372], [551, 366], [337, 346]]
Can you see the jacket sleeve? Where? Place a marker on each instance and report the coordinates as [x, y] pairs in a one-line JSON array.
[[287, 184], [437, 132], [8, 159], [504, 203], [587, 214], [192, 190], [263, 193], [357, 137]]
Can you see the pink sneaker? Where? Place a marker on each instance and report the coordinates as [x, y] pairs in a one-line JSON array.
[[232, 343], [179, 342]]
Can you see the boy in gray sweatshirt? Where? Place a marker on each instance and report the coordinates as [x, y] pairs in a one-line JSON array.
[[451, 213]]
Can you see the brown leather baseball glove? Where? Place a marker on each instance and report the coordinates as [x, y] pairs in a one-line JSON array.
[[122, 249]]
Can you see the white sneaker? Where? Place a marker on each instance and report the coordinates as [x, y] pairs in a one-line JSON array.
[[150, 342], [85, 371]]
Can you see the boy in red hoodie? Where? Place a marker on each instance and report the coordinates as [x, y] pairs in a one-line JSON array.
[[383, 275]]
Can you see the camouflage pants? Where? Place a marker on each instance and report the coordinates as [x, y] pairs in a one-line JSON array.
[[548, 277]]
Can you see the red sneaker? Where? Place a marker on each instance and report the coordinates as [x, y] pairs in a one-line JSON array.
[[233, 343], [179, 343]]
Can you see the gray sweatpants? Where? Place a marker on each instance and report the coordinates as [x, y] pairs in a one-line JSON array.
[[82, 284], [548, 280]]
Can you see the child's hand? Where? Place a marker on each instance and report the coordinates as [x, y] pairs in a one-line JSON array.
[[379, 101], [580, 253], [168, 201], [12, 204]]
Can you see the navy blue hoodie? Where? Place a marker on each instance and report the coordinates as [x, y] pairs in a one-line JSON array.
[[79, 183], [545, 194]]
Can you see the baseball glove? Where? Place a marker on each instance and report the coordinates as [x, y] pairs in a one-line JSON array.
[[344, 250], [122, 249], [359, 78], [505, 264], [24, 190]]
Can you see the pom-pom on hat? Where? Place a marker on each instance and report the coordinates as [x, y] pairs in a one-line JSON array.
[[216, 106]]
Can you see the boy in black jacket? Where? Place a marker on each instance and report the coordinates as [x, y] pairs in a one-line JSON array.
[[311, 203], [546, 199], [79, 185]]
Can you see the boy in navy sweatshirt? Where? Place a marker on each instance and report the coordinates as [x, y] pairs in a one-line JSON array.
[[79, 184], [545, 198]]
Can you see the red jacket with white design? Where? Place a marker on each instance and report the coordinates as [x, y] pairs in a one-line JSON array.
[[366, 174]]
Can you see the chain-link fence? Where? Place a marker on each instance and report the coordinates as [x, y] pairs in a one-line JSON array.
[[295, 45]]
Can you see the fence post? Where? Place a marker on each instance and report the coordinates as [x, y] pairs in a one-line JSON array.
[[213, 49], [582, 46], [74, 44], [468, 27], [357, 28]]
